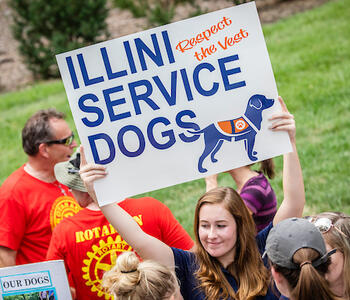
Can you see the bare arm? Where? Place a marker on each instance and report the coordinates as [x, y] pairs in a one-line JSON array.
[[293, 183], [147, 246], [211, 182], [144, 244], [7, 257]]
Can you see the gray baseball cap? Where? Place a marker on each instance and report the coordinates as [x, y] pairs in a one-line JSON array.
[[290, 235], [67, 173]]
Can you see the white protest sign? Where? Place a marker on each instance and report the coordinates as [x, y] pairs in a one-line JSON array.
[[44, 280], [174, 103]]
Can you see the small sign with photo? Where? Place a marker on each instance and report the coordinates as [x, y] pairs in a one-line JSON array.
[[38, 281]]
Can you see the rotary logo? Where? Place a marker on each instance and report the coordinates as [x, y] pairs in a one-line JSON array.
[[63, 207], [100, 260]]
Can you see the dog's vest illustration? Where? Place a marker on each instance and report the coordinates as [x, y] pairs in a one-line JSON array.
[[239, 125], [243, 128]]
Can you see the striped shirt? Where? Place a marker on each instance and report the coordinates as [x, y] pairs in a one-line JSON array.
[[260, 198]]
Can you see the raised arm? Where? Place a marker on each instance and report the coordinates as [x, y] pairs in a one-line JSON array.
[[144, 244], [211, 182], [293, 184]]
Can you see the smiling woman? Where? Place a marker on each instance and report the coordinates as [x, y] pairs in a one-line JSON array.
[[217, 230], [227, 261], [225, 230]]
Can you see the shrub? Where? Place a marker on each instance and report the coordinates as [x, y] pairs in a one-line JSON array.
[[46, 28], [137, 7], [157, 12], [238, 2]]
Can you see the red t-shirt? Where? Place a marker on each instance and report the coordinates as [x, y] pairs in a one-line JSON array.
[[29, 210], [89, 245]]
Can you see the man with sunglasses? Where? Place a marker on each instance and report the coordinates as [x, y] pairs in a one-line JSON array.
[[32, 201]]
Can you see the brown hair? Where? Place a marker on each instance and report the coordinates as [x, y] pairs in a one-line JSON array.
[[342, 243], [307, 282], [247, 267], [37, 129], [132, 279], [267, 167]]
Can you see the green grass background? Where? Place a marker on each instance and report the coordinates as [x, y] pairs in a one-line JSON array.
[[310, 55]]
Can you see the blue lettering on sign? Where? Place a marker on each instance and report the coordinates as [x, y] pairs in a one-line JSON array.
[[72, 73], [111, 103], [168, 137], [102, 136], [186, 84], [155, 56], [141, 91], [188, 125], [90, 109], [168, 133], [85, 74], [143, 96], [129, 56], [168, 48], [142, 51], [140, 137], [170, 98], [110, 73], [225, 73], [132, 97], [197, 83]]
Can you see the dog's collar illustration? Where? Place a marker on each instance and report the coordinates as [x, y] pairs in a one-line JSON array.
[[251, 124]]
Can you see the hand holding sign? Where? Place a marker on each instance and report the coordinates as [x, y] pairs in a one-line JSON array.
[[283, 121], [89, 173]]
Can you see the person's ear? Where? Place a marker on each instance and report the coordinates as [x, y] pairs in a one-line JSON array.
[[276, 275], [43, 150]]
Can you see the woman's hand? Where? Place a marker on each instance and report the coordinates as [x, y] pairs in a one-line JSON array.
[[283, 121], [89, 173]]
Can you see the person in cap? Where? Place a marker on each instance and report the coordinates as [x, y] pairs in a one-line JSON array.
[[299, 260], [89, 244], [32, 201], [335, 228]]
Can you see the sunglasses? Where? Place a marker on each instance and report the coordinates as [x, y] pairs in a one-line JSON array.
[[67, 141], [324, 224]]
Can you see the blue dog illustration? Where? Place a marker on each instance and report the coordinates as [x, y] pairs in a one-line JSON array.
[[243, 128]]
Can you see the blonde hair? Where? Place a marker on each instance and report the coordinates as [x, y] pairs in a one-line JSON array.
[[340, 241], [132, 279], [247, 268]]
